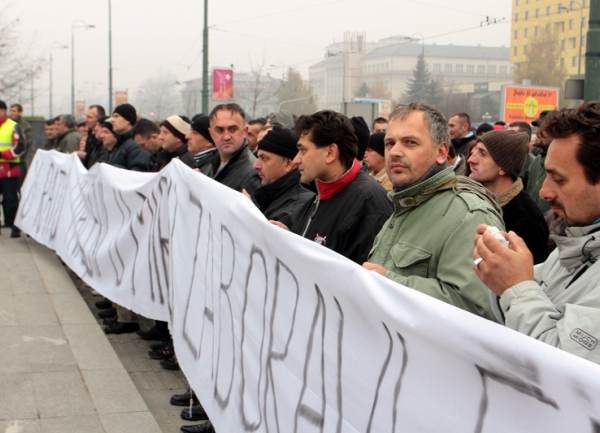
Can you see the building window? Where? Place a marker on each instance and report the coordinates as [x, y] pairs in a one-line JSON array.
[[515, 51], [516, 2], [516, 34], [471, 68], [525, 49], [437, 67], [459, 69], [585, 3], [562, 62], [560, 8], [537, 30], [583, 41], [526, 15], [516, 18], [573, 42], [481, 69], [574, 61], [537, 13], [502, 70], [562, 45], [571, 24], [583, 22], [526, 33], [492, 70], [572, 6], [448, 68], [548, 10]]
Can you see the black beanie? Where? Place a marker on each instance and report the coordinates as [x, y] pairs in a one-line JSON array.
[[361, 129], [376, 143], [107, 123], [3, 105], [127, 112], [201, 125], [280, 141]]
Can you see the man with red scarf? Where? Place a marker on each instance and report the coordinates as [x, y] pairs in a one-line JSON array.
[[350, 207], [12, 147]]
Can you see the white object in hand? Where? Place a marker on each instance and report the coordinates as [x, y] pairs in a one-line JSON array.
[[496, 233]]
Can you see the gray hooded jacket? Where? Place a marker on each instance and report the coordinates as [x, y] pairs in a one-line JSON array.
[[562, 306]]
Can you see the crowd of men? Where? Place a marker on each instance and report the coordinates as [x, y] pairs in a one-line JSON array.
[[408, 198]]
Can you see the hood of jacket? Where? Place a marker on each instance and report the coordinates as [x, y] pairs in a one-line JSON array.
[[580, 245]]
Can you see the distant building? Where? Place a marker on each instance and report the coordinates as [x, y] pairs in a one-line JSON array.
[[391, 61], [256, 95], [567, 20]]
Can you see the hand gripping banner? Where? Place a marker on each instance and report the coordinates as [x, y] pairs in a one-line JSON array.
[[278, 334]]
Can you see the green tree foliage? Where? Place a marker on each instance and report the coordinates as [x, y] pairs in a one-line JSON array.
[[295, 94], [542, 65], [417, 85], [422, 87]]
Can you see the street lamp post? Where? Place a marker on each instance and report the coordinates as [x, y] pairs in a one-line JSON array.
[[76, 24], [62, 47]]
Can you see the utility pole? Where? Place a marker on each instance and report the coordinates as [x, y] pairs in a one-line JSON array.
[[591, 90], [205, 61], [110, 70]]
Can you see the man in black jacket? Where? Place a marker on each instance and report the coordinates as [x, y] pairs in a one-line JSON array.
[[232, 164], [496, 163], [350, 207], [94, 150], [200, 142], [127, 153], [281, 193], [460, 133]]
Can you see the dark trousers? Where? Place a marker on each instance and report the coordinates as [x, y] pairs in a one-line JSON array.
[[9, 187]]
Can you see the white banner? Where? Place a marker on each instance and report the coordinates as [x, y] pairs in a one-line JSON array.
[[279, 334]]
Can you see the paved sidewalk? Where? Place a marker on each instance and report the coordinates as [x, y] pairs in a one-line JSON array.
[[59, 372]]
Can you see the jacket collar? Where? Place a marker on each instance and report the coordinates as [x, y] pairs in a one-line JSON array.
[[329, 189], [422, 191], [179, 151], [239, 154], [510, 192], [265, 195], [579, 245]]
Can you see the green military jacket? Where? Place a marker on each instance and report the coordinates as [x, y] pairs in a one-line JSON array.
[[535, 178], [427, 243]]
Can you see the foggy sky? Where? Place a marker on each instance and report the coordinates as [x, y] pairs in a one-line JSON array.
[[153, 36]]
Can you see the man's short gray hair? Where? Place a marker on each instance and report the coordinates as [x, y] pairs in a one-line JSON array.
[[68, 120], [435, 121]]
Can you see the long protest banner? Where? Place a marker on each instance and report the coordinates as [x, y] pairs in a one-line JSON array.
[[278, 334]]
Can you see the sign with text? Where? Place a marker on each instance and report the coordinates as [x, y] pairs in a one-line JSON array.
[[525, 103], [222, 84], [278, 334]]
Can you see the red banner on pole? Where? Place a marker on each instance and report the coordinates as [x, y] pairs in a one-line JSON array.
[[222, 84]]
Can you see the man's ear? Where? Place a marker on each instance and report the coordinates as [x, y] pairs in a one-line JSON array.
[[442, 153], [246, 129], [333, 153]]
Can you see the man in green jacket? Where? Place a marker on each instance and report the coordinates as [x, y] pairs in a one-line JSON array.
[[427, 242]]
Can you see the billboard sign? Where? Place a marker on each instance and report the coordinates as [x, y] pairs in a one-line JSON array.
[[525, 103]]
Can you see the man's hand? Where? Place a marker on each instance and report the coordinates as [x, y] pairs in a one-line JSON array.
[[81, 154], [501, 267], [278, 224], [246, 194], [375, 267]]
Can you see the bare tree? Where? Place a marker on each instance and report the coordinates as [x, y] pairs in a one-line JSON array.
[[255, 87], [158, 95], [18, 66]]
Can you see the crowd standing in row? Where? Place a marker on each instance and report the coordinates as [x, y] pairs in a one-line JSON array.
[[406, 198]]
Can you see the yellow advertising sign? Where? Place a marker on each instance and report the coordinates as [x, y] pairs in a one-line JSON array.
[[524, 104]]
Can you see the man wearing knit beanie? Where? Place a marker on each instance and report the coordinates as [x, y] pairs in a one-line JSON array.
[[173, 131], [281, 193], [496, 162], [200, 142], [124, 117], [375, 160]]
